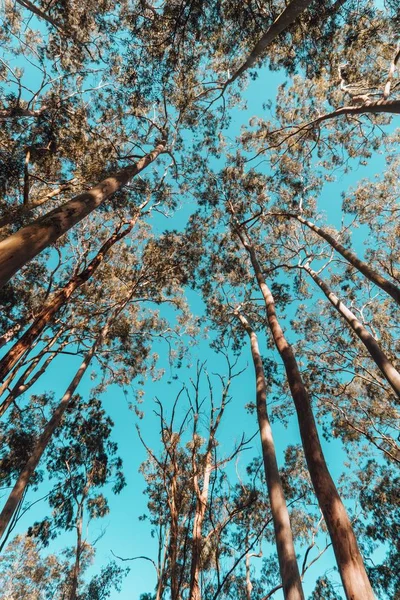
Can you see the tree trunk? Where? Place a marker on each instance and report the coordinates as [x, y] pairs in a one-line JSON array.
[[249, 585], [28, 242], [290, 575], [386, 285], [59, 299], [30, 467], [173, 542], [197, 542], [282, 22], [380, 358], [351, 567], [78, 552]]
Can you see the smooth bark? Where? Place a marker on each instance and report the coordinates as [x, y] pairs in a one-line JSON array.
[[202, 499], [289, 570], [350, 563], [58, 300], [385, 284], [282, 22], [381, 360], [28, 242]]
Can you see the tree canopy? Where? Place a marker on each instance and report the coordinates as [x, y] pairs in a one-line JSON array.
[[200, 284]]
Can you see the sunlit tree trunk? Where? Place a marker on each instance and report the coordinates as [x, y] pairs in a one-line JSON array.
[[28, 242], [174, 532], [58, 300], [290, 575], [371, 274], [383, 363], [197, 541], [348, 557], [41, 445]]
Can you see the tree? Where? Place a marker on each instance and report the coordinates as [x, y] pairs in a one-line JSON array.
[[284, 540]]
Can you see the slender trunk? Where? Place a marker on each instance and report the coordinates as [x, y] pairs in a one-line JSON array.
[[28, 242], [351, 567], [375, 107], [381, 360], [197, 541], [54, 422], [370, 273], [173, 544], [78, 552], [289, 570], [59, 299], [282, 22], [249, 585]]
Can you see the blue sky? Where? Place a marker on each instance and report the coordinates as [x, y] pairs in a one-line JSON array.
[[124, 533]]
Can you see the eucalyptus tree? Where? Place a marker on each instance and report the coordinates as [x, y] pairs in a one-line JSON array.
[[128, 329], [190, 505], [27, 572], [81, 460], [290, 574]]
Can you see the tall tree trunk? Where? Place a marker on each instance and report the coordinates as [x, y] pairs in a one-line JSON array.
[[197, 540], [249, 585], [289, 570], [58, 300], [350, 563], [381, 360], [282, 22], [28, 242], [78, 552], [54, 422], [173, 540], [376, 278]]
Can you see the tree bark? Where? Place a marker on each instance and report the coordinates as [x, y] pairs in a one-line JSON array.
[[381, 360], [350, 563], [282, 22], [78, 552], [23, 382], [28, 242], [386, 285], [201, 505], [290, 575], [59, 299], [41, 445]]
